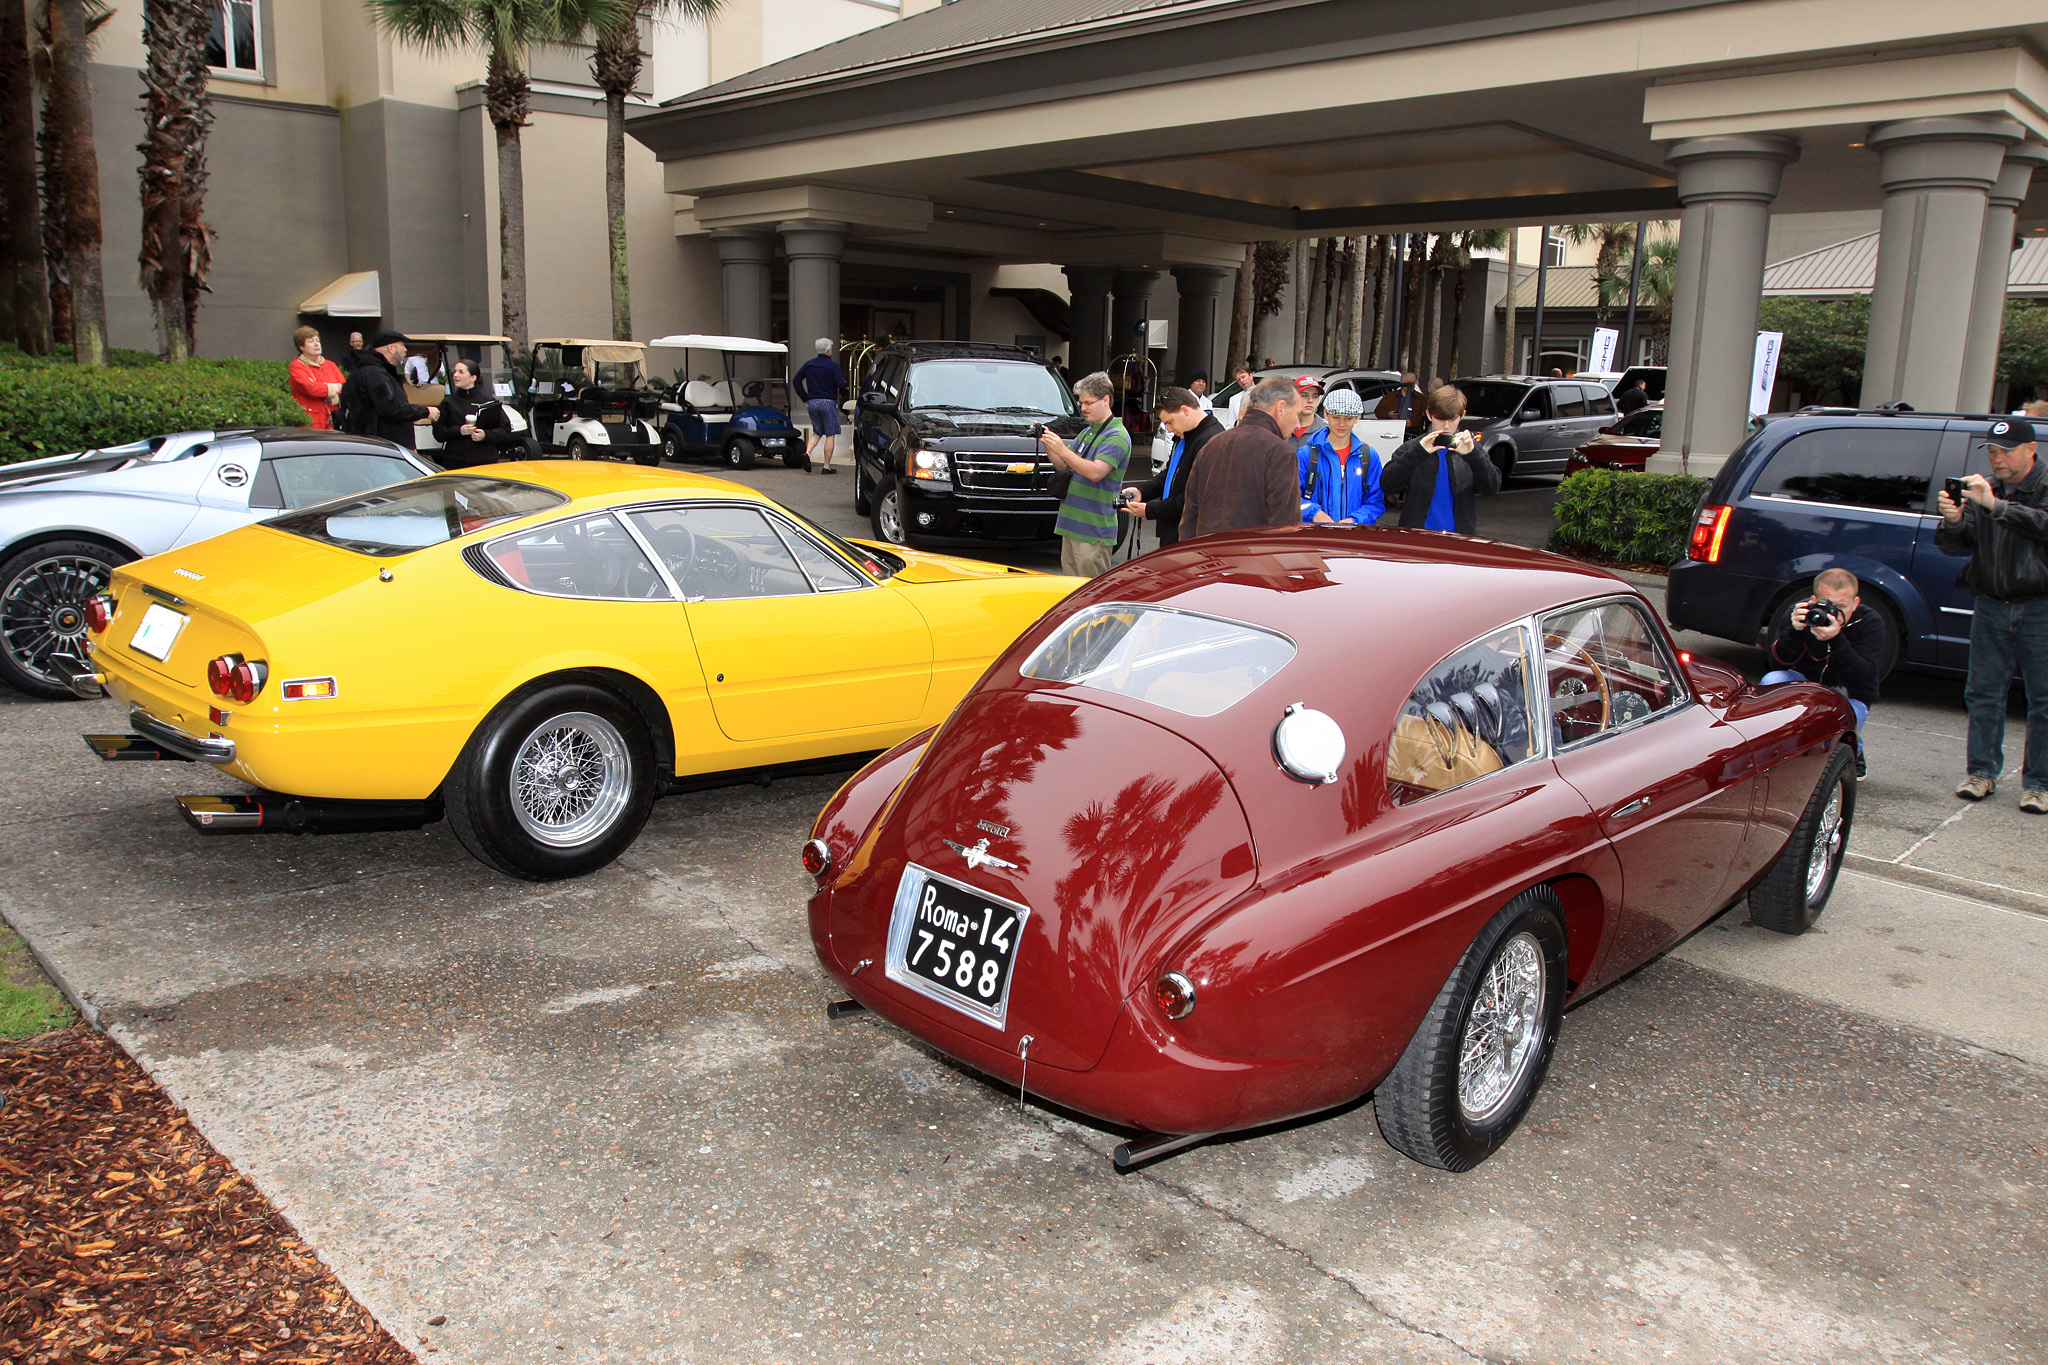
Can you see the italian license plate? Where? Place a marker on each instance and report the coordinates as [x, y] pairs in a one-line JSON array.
[[158, 632], [954, 944]]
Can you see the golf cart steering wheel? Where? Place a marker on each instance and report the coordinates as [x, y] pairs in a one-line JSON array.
[[753, 388]]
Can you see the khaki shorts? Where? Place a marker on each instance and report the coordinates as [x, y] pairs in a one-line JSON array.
[[1084, 558]]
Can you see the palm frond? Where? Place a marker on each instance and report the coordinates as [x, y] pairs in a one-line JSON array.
[[429, 25]]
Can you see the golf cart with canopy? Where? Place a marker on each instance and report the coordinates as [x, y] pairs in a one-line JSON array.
[[496, 377], [734, 418], [589, 399]]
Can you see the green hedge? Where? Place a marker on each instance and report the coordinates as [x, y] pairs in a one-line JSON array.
[[48, 406], [1621, 517]]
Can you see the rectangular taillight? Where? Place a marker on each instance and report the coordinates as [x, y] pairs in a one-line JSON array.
[[309, 689], [1707, 531]]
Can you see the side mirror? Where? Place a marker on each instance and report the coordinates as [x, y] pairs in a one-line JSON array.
[[1606, 430], [1524, 415], [874, 398]]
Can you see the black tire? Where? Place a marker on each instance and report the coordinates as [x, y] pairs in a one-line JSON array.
[[795, 457], [863, 503], [514, 835], [43, 592], [1503, 457], [1421, 1106], [741, 452], [887, 515], [671, 446], [648, 458], [578, 448], [1782, 613], [1795, 888]]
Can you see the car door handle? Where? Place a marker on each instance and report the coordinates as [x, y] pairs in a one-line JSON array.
[[1635, 807]]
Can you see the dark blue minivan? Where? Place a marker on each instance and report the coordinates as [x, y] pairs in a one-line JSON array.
[[1835, 487]]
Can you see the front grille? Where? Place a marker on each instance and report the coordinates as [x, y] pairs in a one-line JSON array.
[[991, 474]]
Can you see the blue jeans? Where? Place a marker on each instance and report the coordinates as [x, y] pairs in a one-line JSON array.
[[1785, 675], [2002, 634]]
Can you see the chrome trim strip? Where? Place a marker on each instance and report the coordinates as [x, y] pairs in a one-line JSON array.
[[160, 595], [1959, 611], [208, 750], [1914, 517]]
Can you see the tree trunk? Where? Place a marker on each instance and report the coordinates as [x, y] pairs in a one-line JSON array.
[[1297, 277], [56, 270], [71, 103], [1377, 341], [1510, 356], [24, 226], [1240, 346], [1411, 306], [1354, 338], [615, 66], [1463, 265], [507, 99], [1318, 307], [175, 120]]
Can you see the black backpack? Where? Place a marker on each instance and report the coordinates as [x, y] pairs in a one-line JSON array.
[[356, 415]]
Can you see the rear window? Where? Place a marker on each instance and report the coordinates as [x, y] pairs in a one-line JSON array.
[[415, 515], [1488, 398], [1196, 665], [1861, 466]]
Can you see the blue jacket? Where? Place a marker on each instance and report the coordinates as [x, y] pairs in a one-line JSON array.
[[1347, 491]]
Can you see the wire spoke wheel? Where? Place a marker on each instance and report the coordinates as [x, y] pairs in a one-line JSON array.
[[1503, 1030], [571, 779], [43, 609], [1827, 845]]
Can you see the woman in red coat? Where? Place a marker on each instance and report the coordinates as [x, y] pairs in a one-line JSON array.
[[315, 380]]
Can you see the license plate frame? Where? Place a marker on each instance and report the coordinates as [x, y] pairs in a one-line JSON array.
[[158, 632], [903, 957]]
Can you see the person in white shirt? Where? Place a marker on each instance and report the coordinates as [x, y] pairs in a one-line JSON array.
[[1242, 377], [416, 371]]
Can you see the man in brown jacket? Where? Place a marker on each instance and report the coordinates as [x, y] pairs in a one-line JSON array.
[[1248, 476]]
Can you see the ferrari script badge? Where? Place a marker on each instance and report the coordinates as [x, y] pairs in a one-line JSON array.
[[979, 856]]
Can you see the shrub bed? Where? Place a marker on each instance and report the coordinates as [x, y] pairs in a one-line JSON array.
[[1621, 517], [49, 406]]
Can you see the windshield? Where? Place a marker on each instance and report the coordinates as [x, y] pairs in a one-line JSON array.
[[1490, 398], [1647, 422], [988, 386], [1196, 665], [412, 516], [878, 562]]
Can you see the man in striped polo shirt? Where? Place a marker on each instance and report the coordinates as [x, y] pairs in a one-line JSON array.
[[1087, 524]]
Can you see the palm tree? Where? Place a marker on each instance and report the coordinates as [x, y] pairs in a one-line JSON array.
[[1660, 279], [68, 106], [22, 232], [504, 30], [176, 117], [1615, 240], [615, 66], [1472, 239]]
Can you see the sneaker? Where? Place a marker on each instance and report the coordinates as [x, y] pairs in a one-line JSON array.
[[2035, 802], [1976, 788], [1862, 766], [828, 469]]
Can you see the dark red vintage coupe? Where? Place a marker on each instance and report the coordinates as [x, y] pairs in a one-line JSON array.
[[1261, 823]]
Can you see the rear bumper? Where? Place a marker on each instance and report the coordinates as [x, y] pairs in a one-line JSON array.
[[1709, 599], [211, 749]]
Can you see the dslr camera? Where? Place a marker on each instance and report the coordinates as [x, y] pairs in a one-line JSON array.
[[1126, 497], [1820, 612]]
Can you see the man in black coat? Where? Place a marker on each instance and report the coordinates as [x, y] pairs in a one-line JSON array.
[[1631, 398], [373, 401], [1441, 471], [1161, 497], [1827, 640]]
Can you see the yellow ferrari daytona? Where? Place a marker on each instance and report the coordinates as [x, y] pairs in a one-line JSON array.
[[536, 651]]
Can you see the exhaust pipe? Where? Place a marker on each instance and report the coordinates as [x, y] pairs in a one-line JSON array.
[[1151, 1146], [275, 813], [130, 749]]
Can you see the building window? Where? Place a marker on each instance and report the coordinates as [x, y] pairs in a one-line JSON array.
[[232, 44], [1554, 249]]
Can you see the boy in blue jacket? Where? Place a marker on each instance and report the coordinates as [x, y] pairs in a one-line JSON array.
[[1340, 474]]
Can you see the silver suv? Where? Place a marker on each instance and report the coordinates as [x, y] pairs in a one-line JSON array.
[[1532, 426]]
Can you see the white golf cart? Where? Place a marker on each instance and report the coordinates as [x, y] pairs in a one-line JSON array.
[[589, 400], [495, 376], [734, 418]]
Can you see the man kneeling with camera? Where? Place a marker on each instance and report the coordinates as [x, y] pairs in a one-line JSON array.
[[1826, 641]]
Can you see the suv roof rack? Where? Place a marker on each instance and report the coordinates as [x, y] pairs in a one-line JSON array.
[[1891, 410]]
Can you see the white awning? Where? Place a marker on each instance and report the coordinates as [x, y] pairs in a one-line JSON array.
[[737, 345], [352, 296]]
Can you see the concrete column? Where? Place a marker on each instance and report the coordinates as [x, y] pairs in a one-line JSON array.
[[1994, 268], [1205, 292], [1725, 189], [813, 250], [1089, 287], [1937, 175], [744, 256], [1133, 305]]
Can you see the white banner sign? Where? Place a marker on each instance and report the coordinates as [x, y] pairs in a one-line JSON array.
[[1605, 339], [1765, 375]]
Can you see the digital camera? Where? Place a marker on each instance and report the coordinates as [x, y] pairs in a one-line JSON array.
[[1820, 612]]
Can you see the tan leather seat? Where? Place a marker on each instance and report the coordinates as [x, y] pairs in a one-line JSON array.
[[1429, 754]]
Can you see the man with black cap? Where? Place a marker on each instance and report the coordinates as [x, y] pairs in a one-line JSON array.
[[2002, 524], [373, 401]]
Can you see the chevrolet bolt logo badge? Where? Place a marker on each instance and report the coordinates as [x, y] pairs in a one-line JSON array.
[[1023, 467], [979, 856]]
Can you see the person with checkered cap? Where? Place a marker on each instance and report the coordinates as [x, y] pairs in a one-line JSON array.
[[2001, 523]]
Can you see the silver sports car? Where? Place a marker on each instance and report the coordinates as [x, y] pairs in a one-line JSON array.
[[66, 521]]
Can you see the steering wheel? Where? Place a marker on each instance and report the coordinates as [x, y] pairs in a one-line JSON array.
[[1575, 687], [753, 388]]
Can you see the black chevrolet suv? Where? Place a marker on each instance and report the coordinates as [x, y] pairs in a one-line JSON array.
[[943, 444]]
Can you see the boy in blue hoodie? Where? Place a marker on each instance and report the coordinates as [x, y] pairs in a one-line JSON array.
[[1340, 473]]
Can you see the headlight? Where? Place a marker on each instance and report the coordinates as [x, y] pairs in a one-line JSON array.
[[932, 465]]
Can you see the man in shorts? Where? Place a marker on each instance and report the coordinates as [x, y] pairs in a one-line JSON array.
[[818, 383]]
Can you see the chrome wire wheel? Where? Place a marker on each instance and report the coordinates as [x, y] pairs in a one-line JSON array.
[[1504, 1031], [571, 779], [43, 610], [1827, 845]]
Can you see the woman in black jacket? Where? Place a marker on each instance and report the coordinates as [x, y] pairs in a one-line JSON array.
[[1441, 470], [471, 425]]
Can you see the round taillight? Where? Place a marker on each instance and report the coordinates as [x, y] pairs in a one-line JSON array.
[[219, 674], [1175, 996], [817, 858], [99, 612], [245, 680]]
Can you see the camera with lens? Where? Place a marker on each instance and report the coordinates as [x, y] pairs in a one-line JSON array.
[[1820, 612], [1126, 497]]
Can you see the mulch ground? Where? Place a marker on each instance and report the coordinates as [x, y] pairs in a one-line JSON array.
[[125, 1237]]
